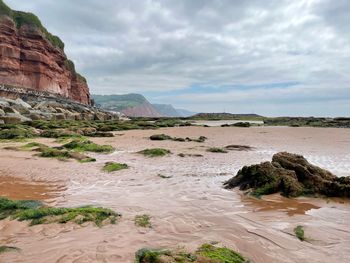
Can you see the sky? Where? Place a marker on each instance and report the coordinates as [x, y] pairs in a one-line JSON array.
[[271, 57]]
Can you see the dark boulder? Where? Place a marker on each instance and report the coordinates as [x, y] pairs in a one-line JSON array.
[[291, 175]]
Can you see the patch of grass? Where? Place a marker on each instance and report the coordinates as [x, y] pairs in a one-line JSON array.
[[220, 254], [87, 146], [4, 249], [143, 221], [299, 233], [217, 150], [38, 214], [111, 167], [155, 152]]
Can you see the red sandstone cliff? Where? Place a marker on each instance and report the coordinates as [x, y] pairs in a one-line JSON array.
[[29, 60]]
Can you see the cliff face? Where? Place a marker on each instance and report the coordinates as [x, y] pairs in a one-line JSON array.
[[143, 110], [29, 60], [132, 105]]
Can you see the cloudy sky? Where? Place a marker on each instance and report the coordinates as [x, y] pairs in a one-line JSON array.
[[272, 57]]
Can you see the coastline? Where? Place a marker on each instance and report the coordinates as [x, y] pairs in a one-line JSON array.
[[189, 208]]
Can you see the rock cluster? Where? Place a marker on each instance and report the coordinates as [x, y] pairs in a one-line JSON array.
[[16, 111], [292, 175]]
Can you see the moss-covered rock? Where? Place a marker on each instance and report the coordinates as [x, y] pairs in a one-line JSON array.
[[207, 253], [163, 137], [4, 249], [291, 175], [83, 145], [110, 167], [155, 152], [143, 221], [216, 150], [160, 137], [37, 213], [11, 132]]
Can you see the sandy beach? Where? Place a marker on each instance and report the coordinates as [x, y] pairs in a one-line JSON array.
[[187, 209]]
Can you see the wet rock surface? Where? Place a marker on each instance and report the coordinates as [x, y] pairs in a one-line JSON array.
[[291, 175]]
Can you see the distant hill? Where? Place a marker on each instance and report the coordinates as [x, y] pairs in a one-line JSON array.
[[167, 110], [185, 113], [226, 116], [132, 105], [136, 105]]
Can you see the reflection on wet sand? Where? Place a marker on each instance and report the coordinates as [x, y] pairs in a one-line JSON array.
[[19, 189], [279, 203]]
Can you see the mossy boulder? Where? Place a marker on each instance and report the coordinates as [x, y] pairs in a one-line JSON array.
[[37, 213], [160, 137], [291, 175], [82, 145], [207, 253], [155, 152], [110, 167]]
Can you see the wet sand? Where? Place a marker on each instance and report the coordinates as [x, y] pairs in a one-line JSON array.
[[188, 209]]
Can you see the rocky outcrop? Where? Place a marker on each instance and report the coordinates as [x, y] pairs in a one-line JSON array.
[[33, 59], [14, 111], [292, 175]]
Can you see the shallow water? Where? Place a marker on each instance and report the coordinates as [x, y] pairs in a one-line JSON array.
[[19, 189], [189, 208]]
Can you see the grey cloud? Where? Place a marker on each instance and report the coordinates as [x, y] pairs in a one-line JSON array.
[[152, 45]]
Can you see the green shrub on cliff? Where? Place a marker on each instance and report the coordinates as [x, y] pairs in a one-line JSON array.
[[4, 9], [31, 20]]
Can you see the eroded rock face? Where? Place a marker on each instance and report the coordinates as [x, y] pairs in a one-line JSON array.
[[28, 60], [292, 175]]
